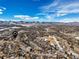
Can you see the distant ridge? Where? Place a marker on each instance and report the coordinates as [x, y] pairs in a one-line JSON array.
[[72, 23], [44, 23]]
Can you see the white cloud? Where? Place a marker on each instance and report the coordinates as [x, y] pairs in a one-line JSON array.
[[50, 7], [61, 9], [26, 17], [70, 20], [30, 18], [67, 9], [57, 9], [1, 12], [2, 19], [2, 9]]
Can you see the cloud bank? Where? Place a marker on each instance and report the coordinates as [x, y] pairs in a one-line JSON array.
[[60, 9], [26, 17]]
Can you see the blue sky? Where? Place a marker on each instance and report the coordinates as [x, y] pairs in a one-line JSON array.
[[39, 10]]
